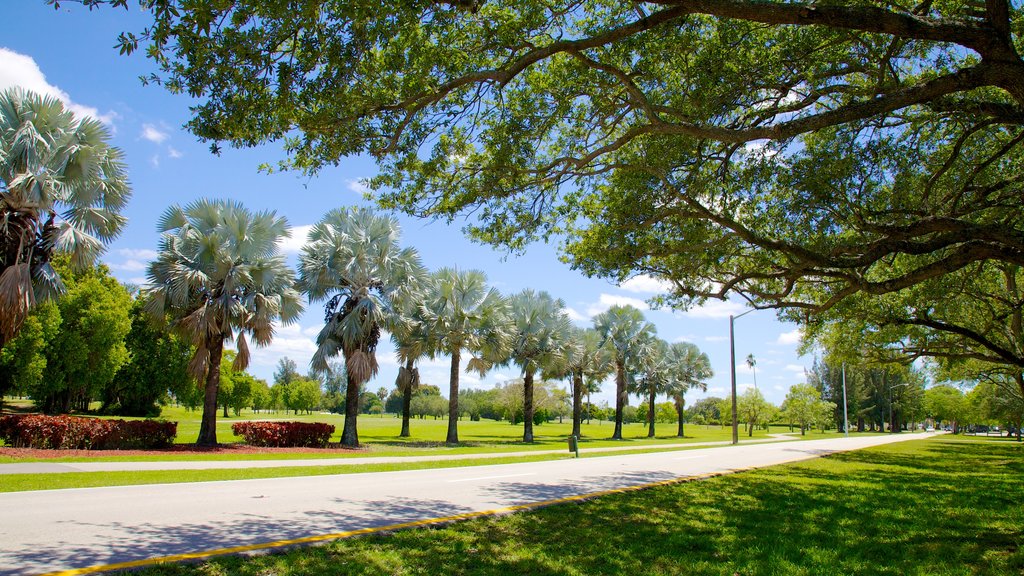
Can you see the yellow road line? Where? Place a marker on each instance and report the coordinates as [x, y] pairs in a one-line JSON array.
[[362, 531], [417, 523]]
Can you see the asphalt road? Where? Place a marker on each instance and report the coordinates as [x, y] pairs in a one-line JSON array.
[[55, 530]]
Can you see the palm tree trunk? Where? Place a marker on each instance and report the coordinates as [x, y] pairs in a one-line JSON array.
[[620, 398], [650, 415], [406, 403], [528, 405], [577, 403], [453, 399], [350, 434], [679, 412], [208, 425]]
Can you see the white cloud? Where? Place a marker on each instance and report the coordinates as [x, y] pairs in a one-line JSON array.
[[358, 186], [795, 368], [173, 152], [288, 341], [21, 70], [137, 253], [715, 309], [606, 301], [576, 316], [130, 265], [644, 284], [155, 160], [297, 239], [716, 338], [153, 134], [790, 338], [686, 338], [716, 390]]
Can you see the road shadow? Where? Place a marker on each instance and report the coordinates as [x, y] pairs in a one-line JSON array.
[[133, 542]]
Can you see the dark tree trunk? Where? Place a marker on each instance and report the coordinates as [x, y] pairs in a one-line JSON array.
[[208, 425], [453, 399], [577, 403], [650, 416], [406, 404], [620, 398], [681, 432], [528, 405], [350, 434]]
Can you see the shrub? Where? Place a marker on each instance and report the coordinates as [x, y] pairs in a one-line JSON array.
[[284, 434], [70, 432]]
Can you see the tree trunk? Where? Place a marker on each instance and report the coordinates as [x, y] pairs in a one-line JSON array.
[[577, 403], [650, 415], [679, 412], [350, 434], [406, 404], [453, 398], [208, 425], [528, 405], [620, 398]]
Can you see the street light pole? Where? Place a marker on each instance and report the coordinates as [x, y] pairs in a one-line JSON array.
[[732, 373]]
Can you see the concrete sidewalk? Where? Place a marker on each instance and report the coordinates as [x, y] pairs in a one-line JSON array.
[[58, 467]]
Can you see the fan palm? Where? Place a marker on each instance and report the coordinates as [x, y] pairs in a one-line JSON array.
[[627, 332], [539, 327], [586, 362], [220, 272], [353, 261], [62, 187], [464, 314], [412, 341], [689, 368], [653, 376]]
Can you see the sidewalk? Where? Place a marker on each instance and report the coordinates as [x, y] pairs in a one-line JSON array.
[[58, 467]]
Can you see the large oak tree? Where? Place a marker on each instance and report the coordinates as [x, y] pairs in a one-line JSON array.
[[795, 153]]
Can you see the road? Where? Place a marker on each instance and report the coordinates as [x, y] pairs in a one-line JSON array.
[[49, 531]]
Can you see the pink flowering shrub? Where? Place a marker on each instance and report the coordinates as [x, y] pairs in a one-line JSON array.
[[74, 433], [284, 434]]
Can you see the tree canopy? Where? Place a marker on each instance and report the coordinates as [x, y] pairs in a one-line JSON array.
[[794, 152]]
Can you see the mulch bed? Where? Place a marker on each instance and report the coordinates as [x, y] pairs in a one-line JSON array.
[[174, 450]]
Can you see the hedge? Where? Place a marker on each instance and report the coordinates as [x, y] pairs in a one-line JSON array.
[[71, 433], [284, 434]]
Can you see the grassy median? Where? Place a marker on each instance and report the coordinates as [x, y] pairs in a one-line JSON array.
[[930, 507]]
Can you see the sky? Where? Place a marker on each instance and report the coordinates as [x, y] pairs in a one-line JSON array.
[[70, 53]]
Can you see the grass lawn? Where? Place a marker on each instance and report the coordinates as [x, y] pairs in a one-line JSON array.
[[942, 506], [379, 435]]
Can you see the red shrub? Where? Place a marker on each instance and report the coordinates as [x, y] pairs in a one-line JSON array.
[[70, 432], [284, 434]]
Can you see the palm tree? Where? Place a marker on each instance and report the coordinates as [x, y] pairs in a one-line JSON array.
[[219, 272], [62, 188], [654, 376], [752, 364], [627, 332], [463, 313], [353, 261], [689, 368], [586, 361], [412, 341], [539, 326]]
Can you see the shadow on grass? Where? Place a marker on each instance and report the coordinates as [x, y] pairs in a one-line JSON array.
[[925, 508]]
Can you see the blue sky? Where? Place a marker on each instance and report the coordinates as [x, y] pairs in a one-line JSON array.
[[70, 53]]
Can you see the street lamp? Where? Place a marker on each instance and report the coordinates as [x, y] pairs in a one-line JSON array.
[[732, 372]]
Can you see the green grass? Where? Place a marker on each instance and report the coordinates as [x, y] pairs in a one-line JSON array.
[[379, 436], [62, 480], [943, 506]]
